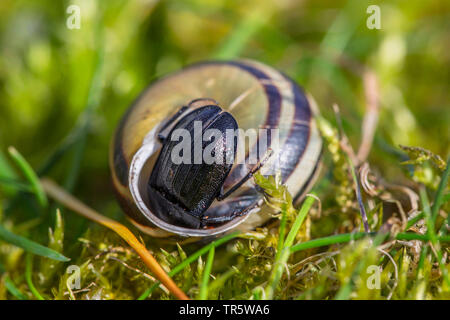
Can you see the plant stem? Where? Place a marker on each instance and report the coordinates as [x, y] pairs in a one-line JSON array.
[[347, 237], [206, 274], [283, 256], [30, 175], [11, 287], [440, 192], [29, 278]]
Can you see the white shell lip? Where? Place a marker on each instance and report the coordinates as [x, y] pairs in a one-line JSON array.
[[149, 147]]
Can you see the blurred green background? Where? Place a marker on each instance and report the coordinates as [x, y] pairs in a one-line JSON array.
[[69, 88]]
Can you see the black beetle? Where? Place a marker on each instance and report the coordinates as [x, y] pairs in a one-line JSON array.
[[180, 193]]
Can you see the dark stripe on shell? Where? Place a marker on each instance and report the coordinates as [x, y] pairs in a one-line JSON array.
[[305, 187], [120, 162], [272, 92], [272, 118], [298, 138]]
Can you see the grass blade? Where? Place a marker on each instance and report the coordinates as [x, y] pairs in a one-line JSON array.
[[439, 199], [430, 222], [428, 216], [414, 236], [347, 237], [30, 175], [299, 221], [283, 256], [8, 174], [220, 281], [29, 278], [413, 221], [327, 241], [30, 246], [282, 232], [206, 274], [13, 289], [15, 185]]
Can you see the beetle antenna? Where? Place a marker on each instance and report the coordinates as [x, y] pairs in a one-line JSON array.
[[250, 174]]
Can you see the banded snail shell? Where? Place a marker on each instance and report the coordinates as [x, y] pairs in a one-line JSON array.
[[257, 96]]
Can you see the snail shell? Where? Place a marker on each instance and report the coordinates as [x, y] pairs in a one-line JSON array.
[[257, 96]]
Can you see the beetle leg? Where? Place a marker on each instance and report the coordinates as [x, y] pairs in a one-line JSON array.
[[234, 208], [250, 174]]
